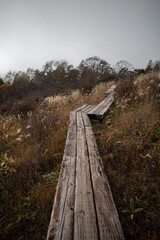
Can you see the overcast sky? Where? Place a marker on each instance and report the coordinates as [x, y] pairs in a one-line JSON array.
[[35, 31]]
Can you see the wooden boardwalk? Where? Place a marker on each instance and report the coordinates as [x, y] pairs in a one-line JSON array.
[[83, 206]]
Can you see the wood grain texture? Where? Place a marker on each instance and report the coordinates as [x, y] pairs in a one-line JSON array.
[[83, 206], [96, 111], [108, 220], [89, 109], [86, 120], [86, 108], [107, 106], [70, 146], [85, 226], [80, 108], [61, 223], [102, 106], [111, 89], [61, 210], [92, 111]]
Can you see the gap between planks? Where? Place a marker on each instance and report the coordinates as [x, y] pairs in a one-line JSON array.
[[83, 206]]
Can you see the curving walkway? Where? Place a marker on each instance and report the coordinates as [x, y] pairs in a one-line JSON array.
[[83, 206]]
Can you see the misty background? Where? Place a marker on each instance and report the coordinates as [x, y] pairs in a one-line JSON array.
[[33, 32]]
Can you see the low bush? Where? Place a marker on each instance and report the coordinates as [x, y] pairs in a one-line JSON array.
[[86, 87], [24, 106], [125, 88]]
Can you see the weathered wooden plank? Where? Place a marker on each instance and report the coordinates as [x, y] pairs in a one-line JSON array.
[[108, 220], [73, 119], [89, 109], [91, 112], [86, 120], [111, 89], [68, 216], [85, 226], [80, 108], [86, 108], [99, 107], [61, 223], [62, 202], [83, 206], [102, 106], [102, 109], [70, 146], [79, 122], [105, 109]]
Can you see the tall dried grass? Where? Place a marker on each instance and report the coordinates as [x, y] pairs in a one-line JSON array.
[[31, 147], [129, 142]]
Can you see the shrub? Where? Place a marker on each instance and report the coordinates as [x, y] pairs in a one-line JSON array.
[[86, 87], [6, 107], [24, 106], [125, 88]]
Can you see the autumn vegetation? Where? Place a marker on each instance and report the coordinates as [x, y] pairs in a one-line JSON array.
[[34, 117], [129, 143]]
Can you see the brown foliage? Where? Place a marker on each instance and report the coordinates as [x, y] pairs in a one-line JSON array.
[[86, 87], [24, 106], [125, 88], [31, 150], [129, 142]]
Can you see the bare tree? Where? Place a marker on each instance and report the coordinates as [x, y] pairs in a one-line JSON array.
[[123, 66], [94, 69]]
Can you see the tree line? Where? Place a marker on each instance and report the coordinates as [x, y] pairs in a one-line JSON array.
[[59, 76]]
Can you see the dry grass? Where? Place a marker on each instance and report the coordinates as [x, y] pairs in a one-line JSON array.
[[129, 142], [125, 88], [148, 87], [31, 153], [31, 147]]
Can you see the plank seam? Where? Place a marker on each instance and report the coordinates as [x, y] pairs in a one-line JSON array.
[[75, 179], [91, 182], [63, 216], [72, 176]]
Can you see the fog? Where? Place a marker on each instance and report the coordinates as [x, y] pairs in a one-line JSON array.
[[35, 31]]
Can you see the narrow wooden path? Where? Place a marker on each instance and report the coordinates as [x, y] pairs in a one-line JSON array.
[[83, 206]]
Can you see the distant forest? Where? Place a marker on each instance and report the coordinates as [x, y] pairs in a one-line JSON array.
[[60, 77]]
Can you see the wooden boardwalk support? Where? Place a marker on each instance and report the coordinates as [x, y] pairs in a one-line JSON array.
[[83, 206]]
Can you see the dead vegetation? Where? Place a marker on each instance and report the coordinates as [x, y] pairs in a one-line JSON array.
[[32, 144], [32, 139], [129, 142]]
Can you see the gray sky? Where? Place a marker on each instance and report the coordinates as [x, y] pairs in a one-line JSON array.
[[35, 31]]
